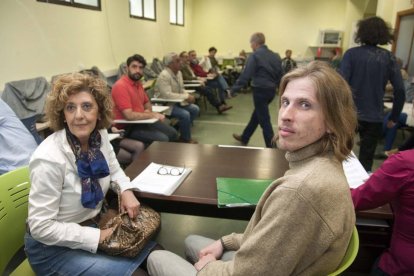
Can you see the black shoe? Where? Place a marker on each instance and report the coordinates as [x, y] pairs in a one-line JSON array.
[[239, 138], [222, 108]]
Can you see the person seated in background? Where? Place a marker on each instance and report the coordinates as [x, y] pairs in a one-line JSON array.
[[188, 75], [170, 85], [70, 173], [408, 144], [287, 62], [303, 222], [126, 149], [389, 134], [17, 143], [213, 79], [132, 103], [392, 183], [215, 69], [336, 58], [241, 59]]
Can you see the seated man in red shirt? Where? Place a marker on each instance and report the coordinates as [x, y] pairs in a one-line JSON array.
[[132, 103]]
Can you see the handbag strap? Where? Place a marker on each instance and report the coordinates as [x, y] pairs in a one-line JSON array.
[[118, 192]]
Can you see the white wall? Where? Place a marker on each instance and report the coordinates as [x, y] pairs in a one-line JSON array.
[[293, 24], [40, 39]]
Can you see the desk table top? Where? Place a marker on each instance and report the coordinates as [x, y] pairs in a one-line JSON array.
[[197, 195]]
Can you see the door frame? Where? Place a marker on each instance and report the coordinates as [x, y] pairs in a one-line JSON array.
[[397, 29]]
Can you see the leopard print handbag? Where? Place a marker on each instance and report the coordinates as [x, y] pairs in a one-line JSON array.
[[129, 235]]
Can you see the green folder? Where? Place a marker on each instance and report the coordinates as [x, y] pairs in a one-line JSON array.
[[237, 192]]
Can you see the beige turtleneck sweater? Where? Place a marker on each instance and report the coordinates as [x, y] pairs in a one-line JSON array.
[[302, 224]]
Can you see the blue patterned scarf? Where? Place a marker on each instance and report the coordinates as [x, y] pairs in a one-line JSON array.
[[91, 166]]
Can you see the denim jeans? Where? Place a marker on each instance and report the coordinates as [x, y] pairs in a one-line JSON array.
[[262, 97], [210, 95], [215, 84], [223, 82], [58, 260], [165, 263], [369, 134], [390, 133], [149, 133], [185, 115]]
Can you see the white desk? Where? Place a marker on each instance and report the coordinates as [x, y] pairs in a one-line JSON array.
[[160, 100], [159, 108], [408, 108], [146, 121], [189, 85], [113, 136]]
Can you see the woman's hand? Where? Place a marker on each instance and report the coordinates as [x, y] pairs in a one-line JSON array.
[[130, 203]]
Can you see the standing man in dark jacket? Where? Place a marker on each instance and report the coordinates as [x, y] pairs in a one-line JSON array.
[[367, 69], [264, 67]]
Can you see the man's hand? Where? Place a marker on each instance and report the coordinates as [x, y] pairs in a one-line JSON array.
[[215, 249], [190, 99], [158, 116], [390, 124], [203, 261], [130, 203], [202, 80]]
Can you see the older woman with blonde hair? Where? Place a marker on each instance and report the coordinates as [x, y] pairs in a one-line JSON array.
[[70, 172]]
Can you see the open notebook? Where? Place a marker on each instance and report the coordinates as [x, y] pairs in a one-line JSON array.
[[239, 192], [160, 179]]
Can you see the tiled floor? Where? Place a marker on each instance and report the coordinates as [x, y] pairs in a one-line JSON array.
[[211, 128]]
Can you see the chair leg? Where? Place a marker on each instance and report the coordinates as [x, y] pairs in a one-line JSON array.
[[205, 102]]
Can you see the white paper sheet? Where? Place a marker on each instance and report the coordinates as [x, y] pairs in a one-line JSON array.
[[150, 181], [354, 171]]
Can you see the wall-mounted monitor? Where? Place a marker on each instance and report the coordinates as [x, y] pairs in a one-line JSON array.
[[330, 38]]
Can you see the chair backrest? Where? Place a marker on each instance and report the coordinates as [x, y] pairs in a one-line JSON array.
[[30, 124], [350, 254], [122, 70], [14, 197], [228, 62], [157, 66]]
